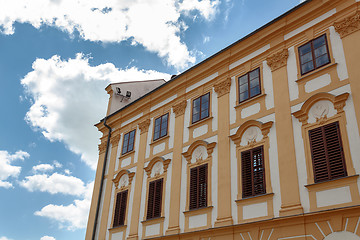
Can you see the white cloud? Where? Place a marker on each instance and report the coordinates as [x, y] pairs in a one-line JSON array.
[[47, 238], [57, 164], [68, 98], [155, 24], [7, 170], [73, 216], [55, 183], [43, 168], [206, 39], [4, 238]]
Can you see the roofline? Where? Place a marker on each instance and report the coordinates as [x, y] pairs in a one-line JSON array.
[[214, 55]]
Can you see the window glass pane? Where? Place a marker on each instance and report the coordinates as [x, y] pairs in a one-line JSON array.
[[324, 59], [305, 49], [204, 114], [244, 96], [254, 82], [306, 58], [156, 135], [307, 67], [163, 132], [205, 98], [243, 79], [157, 122], [254, 91], [320, 51], [244, 88], [196, 117], [319, 41], [254, 74], [196, 102], [204, 105]]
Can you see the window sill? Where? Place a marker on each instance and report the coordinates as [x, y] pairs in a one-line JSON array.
[[333, 182], [117, 228], [261, 197], [198, 210], [200, 122], [159, 140], [248, 101], [153, 220], [127, 154], [315, 73]]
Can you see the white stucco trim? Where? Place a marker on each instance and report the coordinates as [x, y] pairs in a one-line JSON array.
[[338, 54], [201, 82], [268, 86], [250, 56], [232, 101], [317, 83], [310, 24], [292, 72], [163, 103], [171, 128], [333, 196], [110, 210], [131, 119], [149, 138]]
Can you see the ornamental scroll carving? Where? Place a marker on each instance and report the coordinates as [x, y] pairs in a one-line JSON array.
[[179, 109], [348, 25], [144, 126], [123, 179], [303, 114], [278, 60], [223, 87]]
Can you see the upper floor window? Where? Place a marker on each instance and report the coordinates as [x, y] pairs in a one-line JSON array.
[[198, 187], [253, 172], [314, 54], [154, 199], [161, 126], [128, 143], [249, 85], [327, 152], [120, 208], [200, 108]]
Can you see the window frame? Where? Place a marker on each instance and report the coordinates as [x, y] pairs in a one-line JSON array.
[[248, 83], [327, 160], [167, 126], [313, 54], [200, 110], [117, 211], [151, 212], [199, 200], [244, 180], [128, 141]]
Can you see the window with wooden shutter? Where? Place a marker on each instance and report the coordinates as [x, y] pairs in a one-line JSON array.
[[327, 152], [198, 187], [154, 199], [253, 172], [120, 208]]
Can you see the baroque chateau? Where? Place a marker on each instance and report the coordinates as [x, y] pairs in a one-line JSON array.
[[259, 141]]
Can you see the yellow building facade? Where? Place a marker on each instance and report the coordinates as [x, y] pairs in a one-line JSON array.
[[259, 141]]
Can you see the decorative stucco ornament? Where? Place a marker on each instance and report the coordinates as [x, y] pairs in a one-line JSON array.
[[320, 110]]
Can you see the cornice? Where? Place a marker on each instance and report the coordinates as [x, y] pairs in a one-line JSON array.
[[223, 87], [348, 25], [278, 60]]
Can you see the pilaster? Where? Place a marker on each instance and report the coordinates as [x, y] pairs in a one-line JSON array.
[[224, 217], [114, 140], [348, 29], [174, 228], [135, 212], [289, 185]]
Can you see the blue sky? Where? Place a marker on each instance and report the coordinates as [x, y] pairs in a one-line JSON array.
[[56, 58]]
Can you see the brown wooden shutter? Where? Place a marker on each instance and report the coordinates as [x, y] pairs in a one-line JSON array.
[[252, 171], [154, 199], [198, 187], [327, 152], [120, 208]]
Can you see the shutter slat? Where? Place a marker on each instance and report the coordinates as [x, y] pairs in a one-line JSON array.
[[120, 208], [198, 187]]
